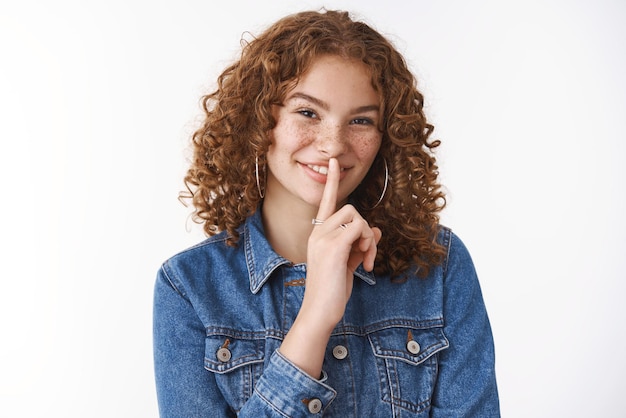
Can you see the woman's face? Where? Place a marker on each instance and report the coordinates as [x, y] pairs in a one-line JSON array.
[[333, 111]]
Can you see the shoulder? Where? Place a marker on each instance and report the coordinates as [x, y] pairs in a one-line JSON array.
[[200, 251], [456, 250], [195, 267]]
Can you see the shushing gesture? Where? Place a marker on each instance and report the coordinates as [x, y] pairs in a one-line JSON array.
[[336, 248], [341, 240]]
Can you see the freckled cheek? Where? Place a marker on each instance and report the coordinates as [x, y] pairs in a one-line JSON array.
[[366, 146], [295, 137]]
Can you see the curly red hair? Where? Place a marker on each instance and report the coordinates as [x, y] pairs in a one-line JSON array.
[[221, 181]]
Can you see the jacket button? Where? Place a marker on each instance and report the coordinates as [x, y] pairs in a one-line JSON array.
[[413, 347], [223, 355], [315, 406], [340, 352]]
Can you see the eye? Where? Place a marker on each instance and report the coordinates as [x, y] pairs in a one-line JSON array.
[[308, 113], [362, 121]]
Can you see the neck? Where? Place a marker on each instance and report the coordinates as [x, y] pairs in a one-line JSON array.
[[288, 226]]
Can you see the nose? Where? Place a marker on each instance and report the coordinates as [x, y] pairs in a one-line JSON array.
[[332, 141]]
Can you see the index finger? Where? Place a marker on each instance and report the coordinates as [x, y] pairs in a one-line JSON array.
[[328, 204]]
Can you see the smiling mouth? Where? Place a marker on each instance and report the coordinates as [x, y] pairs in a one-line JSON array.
[[322, 169]]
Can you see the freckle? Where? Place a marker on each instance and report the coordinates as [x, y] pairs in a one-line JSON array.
[[362, 143], [304, 135]]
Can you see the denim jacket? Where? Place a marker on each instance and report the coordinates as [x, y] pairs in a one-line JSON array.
[[416, 348]]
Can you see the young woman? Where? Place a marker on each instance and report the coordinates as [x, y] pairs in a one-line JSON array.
[[326, 286]]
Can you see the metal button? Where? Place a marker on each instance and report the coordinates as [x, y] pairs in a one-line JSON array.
[[223, 355], [413, 347], [315, 406], [340, 352]]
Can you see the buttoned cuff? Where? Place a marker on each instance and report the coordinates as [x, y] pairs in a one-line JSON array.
[[292, 392]]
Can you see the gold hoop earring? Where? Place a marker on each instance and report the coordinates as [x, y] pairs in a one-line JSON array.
[[380, 199], [256, 172]]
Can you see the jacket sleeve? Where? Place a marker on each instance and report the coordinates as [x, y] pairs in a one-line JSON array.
[[186, 389], [466, 384]]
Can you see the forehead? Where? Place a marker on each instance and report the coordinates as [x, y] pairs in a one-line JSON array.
[[335, 77]]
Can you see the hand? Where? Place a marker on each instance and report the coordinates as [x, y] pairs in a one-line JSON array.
[[335, 249]]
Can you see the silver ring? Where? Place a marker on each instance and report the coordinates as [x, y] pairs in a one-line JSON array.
[[316, 221], [343, 226]]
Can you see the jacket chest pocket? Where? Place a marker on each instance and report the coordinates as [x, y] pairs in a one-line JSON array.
[[407, 364], [237, 364]]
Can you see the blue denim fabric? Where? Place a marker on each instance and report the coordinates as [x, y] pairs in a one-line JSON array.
[[420, 348]]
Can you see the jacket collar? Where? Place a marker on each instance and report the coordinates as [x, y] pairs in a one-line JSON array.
[[261, 259]]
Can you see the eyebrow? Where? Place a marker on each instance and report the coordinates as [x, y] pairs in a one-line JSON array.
[[325, 105]]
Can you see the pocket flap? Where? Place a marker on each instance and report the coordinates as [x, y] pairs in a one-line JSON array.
[[224, 353], [410, 345]]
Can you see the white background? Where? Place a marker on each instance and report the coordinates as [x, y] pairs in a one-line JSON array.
[[98, 99]]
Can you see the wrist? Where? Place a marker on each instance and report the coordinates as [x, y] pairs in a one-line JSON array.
[[305, 344]]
